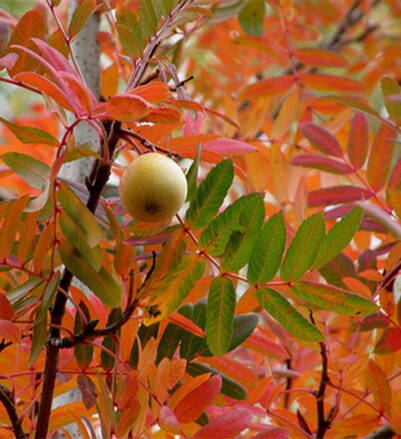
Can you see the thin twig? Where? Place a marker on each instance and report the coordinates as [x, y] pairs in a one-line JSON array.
[[9, 404]]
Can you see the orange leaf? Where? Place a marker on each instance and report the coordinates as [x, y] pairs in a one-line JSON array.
[[228, 425], [195, 402], [377, 383], [46, 87], [380, 156], [186, 323], [265, 87], [127, 108], [231, 367], [163, 115], [363, 424], [322, 82], [320, 57]]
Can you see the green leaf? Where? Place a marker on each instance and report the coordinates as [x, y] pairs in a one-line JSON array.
[[31, 134], [39, 336], [148, 18], [169, 5], [102, 283], [229, 387], [79, 152], [220, 315], [390, 87], [191, 344], [267, 254], [80, 16], [192, 175], [75, 234], [210, 194], [241, 244], [129, 41], [215, 237], [334, 299], [338, 237], [79, 213], [244, 325], [83, 353], [303, 248], [33, 171], [109, 342], [280, 309], [252, 17]]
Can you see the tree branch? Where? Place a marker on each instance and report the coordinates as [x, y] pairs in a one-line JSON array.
[[8, 403], [385, 432]]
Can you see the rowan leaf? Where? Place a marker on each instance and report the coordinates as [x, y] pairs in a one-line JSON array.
[[315, 57], [281, 310], [333, 299], [327, 164], [358, 140], [229, 387], [215, 237], [79, 213], [390, 341], [323, 82], [210, 194], [252, 16], [303, 248], [127, 108], [240, 244], [266, 256], [30, 134], [338, 237], [83, 353], [377, 382], [102, 283], [381, 155], [33, 171], [220, 315], [337, 195], [321, 139], [109, 342], [268, 87], [82, 13], [390, 87], [129, 41], [227, 426]]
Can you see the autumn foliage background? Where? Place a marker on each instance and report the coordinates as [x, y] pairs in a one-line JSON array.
[[269, 308]]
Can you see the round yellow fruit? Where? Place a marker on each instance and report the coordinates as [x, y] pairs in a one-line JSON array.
[[153, 188]]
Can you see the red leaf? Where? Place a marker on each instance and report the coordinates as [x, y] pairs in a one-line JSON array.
[[227, 426], [54, 57], [193, 404], [320, 57], [358, 140], [380, 156], [320, 81], [260, 343], [127, 108], [228, 146], [78, 90], [337, 195], [6, 310], [390, 341], [9, 330], [265, 87], [327, 164], [321, 139]]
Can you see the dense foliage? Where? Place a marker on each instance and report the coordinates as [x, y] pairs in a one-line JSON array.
[[269, 307]]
